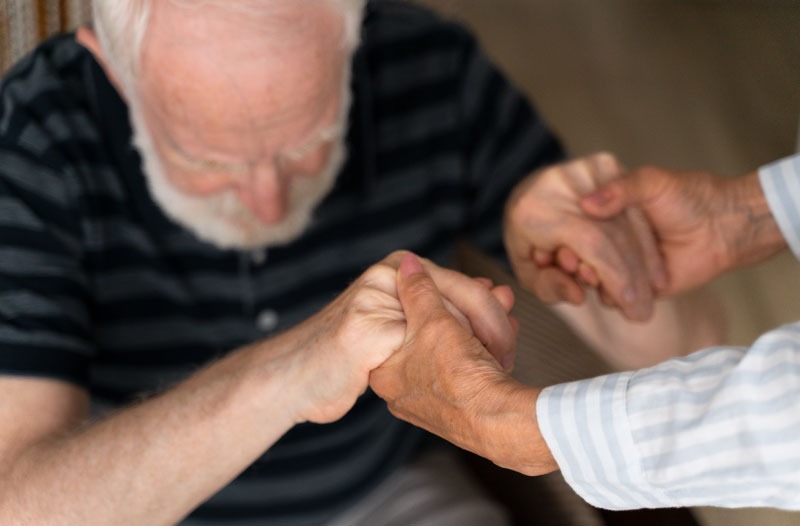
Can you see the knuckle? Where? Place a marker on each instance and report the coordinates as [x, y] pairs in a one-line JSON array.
[[376, 274], [605, 157], [365, 299], [607, 162]]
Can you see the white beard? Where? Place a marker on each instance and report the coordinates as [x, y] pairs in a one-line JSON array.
[[222, 219]]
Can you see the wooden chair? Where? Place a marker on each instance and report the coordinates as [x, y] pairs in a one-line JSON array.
[[27, 22]]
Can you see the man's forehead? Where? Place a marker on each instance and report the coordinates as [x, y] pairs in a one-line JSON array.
[[280, 20], [215, 62]]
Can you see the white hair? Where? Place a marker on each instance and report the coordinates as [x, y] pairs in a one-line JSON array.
[[121, 26]]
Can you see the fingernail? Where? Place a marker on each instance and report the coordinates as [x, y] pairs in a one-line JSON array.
[[410, 265], [598, 198]]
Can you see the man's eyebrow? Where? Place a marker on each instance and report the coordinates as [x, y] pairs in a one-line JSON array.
[[205, 162]]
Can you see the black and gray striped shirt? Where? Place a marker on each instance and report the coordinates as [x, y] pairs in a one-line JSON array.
[[100, 289]]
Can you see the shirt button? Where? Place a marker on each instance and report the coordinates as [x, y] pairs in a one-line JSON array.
[[259, 256], [267, 321]]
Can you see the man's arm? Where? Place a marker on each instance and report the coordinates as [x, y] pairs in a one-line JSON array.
[[148, 464], [153, 462]]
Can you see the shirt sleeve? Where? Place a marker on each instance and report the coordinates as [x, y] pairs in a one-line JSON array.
[[720, 427], [45, 318], [781, 184]]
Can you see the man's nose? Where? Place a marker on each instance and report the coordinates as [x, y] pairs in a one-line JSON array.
[[265, 191]]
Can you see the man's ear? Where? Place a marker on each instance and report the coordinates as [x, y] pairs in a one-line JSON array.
[[88, 39]]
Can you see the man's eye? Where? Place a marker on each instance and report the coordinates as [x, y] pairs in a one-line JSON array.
[[217, 166]]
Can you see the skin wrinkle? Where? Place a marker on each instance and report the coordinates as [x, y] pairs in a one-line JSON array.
[[757, 230], [279, 114], [296, 95], [313, 106]]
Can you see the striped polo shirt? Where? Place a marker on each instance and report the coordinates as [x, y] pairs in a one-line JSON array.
[[101, 289]]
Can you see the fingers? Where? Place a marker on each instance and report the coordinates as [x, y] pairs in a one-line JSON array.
[[615, 252], [417, 293], [452, 309], [653, 259], [644, 273], [552, 285], [505, 296], [568, 260], [502, 293], [614, 197], [556, 248], [611, 258], [605, 202], [486, 309], [629, 286]]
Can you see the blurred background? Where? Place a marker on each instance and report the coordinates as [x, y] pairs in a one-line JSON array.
[[707, 84]]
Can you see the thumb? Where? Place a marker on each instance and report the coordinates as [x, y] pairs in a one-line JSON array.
[[614, 197], [417, 292]]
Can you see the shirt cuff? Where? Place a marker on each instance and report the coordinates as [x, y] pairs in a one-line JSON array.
[[586, 426], [780, 182]]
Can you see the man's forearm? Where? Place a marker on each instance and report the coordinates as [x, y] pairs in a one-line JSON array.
[[154, 462]]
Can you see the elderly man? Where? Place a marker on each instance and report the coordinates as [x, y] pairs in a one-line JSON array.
[[176, 323]]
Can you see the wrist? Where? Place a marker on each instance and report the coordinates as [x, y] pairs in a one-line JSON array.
[[272, 374], [512, 434], [753, 234], [321, 378]]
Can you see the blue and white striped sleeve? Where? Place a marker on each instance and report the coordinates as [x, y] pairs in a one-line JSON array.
[[720, 427], [781, 184]]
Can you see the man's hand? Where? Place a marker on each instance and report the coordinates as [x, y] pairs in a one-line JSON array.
[[705, 224], [556, 250], [444, 380], [337, 348]]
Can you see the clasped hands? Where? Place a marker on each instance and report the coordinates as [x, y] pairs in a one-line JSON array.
[[632, 236], [438, 346], [435, 344]]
